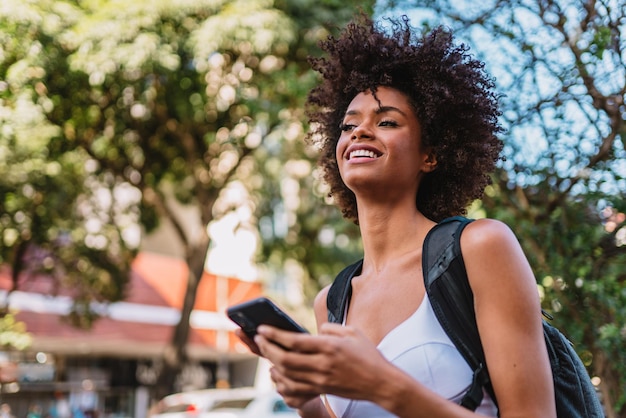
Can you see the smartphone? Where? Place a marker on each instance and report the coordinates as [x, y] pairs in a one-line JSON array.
[[261, 311]]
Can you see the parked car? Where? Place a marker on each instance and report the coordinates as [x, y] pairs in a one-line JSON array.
[[225, 403], [190, 404], [262, 405]]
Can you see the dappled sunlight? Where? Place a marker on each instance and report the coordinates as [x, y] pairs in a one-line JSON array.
[[233, 248], [234, 237]]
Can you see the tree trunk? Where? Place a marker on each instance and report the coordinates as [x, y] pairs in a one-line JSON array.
[[175, 355], [609, 380]]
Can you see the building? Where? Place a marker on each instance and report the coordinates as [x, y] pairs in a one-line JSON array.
[[107, 371]]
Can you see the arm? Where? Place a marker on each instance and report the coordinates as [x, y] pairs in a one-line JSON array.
[[509, 320]]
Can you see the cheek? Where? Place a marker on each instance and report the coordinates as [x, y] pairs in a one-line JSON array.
[[340, 148], [410, 146]]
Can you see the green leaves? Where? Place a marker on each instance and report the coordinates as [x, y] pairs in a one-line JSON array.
[[110, 109], [561, 68], [13, 333]]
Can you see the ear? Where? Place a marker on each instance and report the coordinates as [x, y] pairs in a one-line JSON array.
[[430, 163]]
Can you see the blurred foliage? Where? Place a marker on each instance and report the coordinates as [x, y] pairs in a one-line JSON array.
[[561, 67], [110, 109], [13, 334]]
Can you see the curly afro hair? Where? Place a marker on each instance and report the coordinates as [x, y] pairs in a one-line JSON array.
[[449, 91]]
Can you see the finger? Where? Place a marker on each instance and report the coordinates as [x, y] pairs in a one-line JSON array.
[[290, 388], [281, 357], [286, 339], [293, 341], [267, 348], [275, 353], [295, 365], [247, 341]]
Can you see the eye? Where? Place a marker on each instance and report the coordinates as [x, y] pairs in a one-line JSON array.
[[345, 127], [388, 122]]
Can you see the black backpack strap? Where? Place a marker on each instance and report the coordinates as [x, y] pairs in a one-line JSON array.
[[452, 300], [340, 292]]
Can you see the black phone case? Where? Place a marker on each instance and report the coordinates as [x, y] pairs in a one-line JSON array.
[[249, 315]]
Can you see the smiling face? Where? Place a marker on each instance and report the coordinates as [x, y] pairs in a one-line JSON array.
[[379, 148]]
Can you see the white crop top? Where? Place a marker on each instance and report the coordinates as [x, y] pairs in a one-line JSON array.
[[421, 348]]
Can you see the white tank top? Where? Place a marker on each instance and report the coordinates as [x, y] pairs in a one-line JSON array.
[[421, 348]]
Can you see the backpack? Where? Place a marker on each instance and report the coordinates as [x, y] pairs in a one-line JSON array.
[[451, 297]]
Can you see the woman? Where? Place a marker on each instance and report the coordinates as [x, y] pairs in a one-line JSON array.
[[408, 132]]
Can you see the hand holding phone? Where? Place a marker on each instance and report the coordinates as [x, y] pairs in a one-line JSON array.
[[261, 311]]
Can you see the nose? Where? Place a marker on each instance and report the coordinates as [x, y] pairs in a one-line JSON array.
[[362, 131]]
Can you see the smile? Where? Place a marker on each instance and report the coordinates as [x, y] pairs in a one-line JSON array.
[[362, 153]]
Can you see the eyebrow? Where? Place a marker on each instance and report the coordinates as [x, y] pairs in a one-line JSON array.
[[380, 110]]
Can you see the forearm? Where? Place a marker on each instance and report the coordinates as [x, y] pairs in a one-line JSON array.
[[406, 398]]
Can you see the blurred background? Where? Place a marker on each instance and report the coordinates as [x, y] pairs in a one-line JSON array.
[[153, 171]]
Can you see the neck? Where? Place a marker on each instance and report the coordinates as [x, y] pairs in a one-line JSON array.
[[391, 233]]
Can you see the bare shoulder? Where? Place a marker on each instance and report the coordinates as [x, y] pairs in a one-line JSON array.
[[319, 306], [485, 234], [494, 256]]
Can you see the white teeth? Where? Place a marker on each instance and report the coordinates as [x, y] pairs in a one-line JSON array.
[[362, 153]]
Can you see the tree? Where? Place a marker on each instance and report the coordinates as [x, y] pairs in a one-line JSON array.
[[42, 179], [13, 335], [110, 108], [561, 68]]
